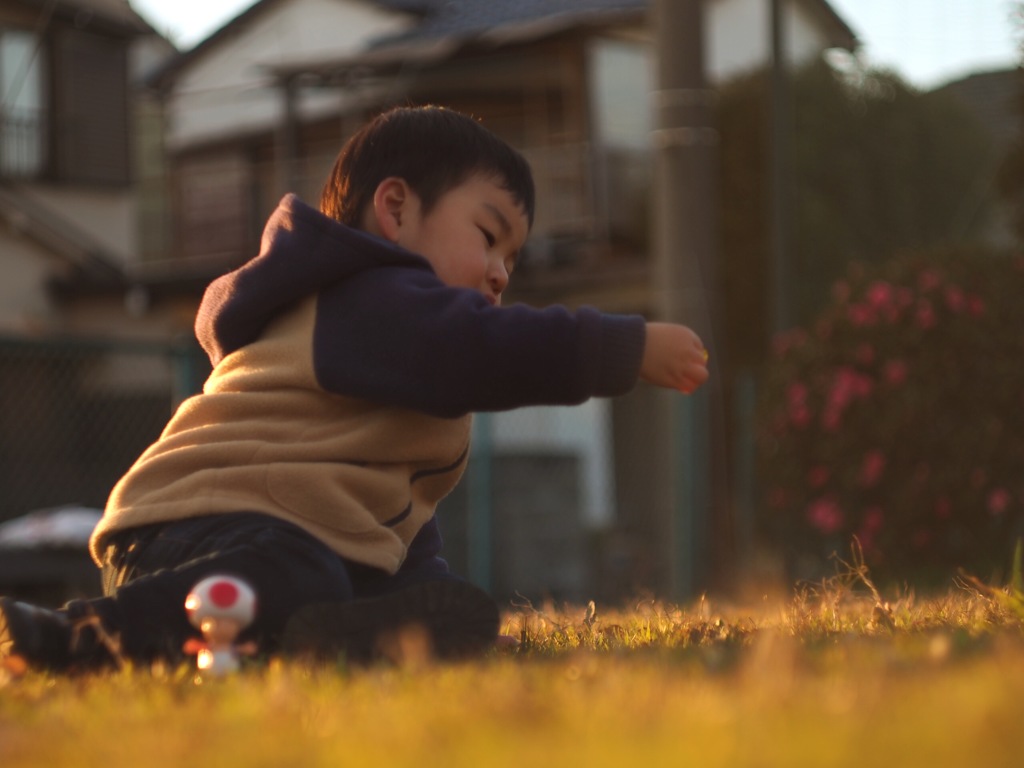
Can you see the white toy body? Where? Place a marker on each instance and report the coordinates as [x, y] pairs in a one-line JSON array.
[[221, 607], [217, 662]]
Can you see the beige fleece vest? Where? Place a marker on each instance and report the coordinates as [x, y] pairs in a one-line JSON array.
[[264, 437]]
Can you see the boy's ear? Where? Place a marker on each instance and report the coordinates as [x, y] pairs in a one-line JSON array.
[[391, 207]]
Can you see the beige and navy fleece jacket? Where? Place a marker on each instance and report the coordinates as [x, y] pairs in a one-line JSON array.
[[344, 375]]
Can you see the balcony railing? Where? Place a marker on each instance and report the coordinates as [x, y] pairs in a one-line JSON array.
[[22, 143]]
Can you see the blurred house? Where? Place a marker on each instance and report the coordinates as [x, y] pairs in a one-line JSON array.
[[263, 105], [69, 131], [73, 135]]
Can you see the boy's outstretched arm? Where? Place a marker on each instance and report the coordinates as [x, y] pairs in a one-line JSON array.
[[674, 357]]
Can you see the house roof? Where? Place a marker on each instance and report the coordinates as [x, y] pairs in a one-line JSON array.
[[117, 15], [469, 18], [995, 99], [94, 269], [44, 225], [444, 25], [445, 18]]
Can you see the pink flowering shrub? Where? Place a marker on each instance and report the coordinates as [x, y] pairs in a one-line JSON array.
[[898, 418]]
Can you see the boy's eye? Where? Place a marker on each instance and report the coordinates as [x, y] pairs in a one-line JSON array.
[[488, 237]]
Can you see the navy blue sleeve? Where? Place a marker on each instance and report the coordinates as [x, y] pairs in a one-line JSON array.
[[400, 337], [424, 554]]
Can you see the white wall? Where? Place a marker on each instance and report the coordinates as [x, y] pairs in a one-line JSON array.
[[738, 36], [584, 430], [106, 218], [737, 33], [228, 90], [102, 219], [24, 267]]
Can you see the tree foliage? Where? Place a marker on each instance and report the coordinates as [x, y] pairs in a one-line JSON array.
[[877, 167], [897, 418]]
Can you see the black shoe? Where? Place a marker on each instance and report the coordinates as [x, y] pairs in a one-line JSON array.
[[41, 637], [445, 619], [49, 640]]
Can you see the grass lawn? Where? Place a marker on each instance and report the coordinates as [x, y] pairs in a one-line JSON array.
[[828, 677]]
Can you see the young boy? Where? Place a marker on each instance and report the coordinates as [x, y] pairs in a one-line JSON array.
[[348, 356]]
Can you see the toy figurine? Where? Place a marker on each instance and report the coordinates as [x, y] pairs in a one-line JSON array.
[[221, 607]]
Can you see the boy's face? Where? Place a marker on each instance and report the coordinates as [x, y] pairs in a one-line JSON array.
[[472, 236]]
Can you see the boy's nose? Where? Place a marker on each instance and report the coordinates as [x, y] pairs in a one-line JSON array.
[[497, 277]]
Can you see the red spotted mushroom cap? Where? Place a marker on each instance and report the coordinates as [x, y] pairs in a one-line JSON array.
[[221, 597]]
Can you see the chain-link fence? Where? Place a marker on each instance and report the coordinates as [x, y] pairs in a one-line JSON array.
[[75, 414], [537, 499], [605, 501], [556, 502]]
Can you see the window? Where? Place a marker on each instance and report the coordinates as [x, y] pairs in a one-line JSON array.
[[64, 107], [22, 105], [214, 193], [622, 76], [90, 108]]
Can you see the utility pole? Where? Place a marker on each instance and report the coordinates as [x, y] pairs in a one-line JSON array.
[[779, 152], [685, 142]]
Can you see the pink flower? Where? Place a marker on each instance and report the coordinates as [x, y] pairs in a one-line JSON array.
[[861, 315], [873, 519], [799, 416], [847, 385], [841, 391], [925, 314], [929, 279], [895, 372], [998, 501], [879, 294], [825, 515], [904, 297], [865, 354], [955, 299], [830, 419], [863, 386], [975, 305], [818, 476], [871, 468], [787, 340], [869, 528], [842, 385], [799, 413], [943, 509]]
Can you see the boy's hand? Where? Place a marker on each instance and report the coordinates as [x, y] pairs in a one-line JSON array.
[[674, 357]]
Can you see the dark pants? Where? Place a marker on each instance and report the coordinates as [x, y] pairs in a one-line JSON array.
[[149, 572]]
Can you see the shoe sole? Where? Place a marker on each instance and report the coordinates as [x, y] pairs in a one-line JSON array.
[[18, 636], [446, 620], [6, 636]]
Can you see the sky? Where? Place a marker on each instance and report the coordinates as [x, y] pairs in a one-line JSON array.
[[928, 42]]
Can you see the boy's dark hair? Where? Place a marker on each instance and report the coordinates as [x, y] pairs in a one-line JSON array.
[[434, 149]]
